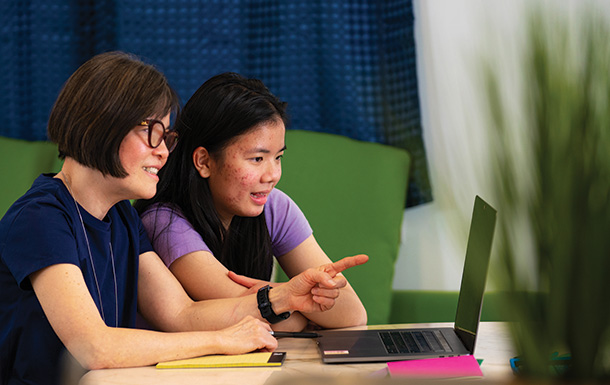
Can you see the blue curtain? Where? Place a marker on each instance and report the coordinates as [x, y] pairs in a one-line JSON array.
[[344, 66]]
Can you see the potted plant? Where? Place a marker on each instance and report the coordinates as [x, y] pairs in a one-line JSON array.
[[552, 158]]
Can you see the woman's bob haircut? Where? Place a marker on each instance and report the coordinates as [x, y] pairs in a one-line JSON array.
[[101, 102]]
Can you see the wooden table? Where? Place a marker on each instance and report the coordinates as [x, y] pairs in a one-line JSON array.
[[302, 360]]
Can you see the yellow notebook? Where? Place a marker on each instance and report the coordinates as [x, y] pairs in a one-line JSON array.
[[227, 361]]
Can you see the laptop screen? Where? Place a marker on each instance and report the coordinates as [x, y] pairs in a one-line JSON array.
[[474, 276]]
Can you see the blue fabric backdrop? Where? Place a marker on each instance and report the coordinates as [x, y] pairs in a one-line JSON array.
[[344, 66]]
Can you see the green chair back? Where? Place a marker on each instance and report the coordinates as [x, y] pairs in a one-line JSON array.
[[415, 306], [21, 162]]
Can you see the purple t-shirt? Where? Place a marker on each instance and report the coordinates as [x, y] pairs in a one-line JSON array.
[[173, 236]]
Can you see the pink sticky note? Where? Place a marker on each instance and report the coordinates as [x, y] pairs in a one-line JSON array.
[[445, 367]]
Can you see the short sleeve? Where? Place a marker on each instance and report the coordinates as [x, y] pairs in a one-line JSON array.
[[40, 235], [287, 224], [172, 236]]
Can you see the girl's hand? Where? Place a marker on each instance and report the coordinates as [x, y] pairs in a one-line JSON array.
[[252, 284], [316, 289]]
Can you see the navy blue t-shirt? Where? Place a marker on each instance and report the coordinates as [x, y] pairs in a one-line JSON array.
[[43, 228]]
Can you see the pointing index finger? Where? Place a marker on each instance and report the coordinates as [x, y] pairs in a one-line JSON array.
[[345, 263]]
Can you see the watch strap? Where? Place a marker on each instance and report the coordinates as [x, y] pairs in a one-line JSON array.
[[264, 306]]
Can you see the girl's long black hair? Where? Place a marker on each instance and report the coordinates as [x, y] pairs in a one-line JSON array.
[[224, 107]]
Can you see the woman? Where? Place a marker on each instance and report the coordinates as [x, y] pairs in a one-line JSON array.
[[75, 260], [217, 220]]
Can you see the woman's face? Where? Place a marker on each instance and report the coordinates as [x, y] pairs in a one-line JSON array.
[[242, 177], [141, 162]]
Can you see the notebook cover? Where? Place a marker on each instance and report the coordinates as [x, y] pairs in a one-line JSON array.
[[227, 361]]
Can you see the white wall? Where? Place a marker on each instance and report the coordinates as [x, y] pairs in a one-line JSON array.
[[453, 37]]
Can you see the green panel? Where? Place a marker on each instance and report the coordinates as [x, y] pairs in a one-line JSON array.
[[21, 162], [353, 195], [413, 306]]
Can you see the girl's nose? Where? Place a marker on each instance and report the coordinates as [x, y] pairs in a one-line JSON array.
[[273, 172]]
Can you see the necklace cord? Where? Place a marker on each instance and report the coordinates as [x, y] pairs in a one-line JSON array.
[[97, 285]]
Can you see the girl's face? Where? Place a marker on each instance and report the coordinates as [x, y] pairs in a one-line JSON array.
[[244, 174], [141, 162]]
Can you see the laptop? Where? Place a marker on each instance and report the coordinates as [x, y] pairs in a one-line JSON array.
[[348, 346]]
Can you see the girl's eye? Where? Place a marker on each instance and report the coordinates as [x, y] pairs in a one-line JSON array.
[[279, 157], [258, 159]]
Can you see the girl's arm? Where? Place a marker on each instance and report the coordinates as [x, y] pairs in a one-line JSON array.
[[312, 290], [348, 309], [204, 278], [69, 307], [164, 303]]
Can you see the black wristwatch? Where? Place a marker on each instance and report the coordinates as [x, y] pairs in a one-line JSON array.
[[264, 305]]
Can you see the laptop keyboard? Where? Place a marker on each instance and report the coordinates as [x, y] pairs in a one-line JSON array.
[[425, 341]]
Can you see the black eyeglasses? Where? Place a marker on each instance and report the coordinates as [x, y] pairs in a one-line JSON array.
[[157, 133]]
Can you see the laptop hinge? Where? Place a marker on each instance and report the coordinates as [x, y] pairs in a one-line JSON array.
[[467, 337]]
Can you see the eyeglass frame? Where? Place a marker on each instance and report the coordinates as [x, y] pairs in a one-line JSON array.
[[167, 133]]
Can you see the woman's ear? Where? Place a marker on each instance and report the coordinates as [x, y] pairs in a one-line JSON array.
[[201, 160]]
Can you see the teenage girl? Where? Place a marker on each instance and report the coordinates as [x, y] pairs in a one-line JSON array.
[[218, 221]]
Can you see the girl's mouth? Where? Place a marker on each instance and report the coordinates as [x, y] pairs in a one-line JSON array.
[[259, 198]]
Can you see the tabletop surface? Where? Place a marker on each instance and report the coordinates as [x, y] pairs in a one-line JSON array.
[[303, 359]]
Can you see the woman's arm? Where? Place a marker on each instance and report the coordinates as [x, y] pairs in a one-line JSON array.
[[69, 307], [313, 290], [204, 278]]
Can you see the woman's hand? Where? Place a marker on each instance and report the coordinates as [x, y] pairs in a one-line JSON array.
[[247, 335]]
